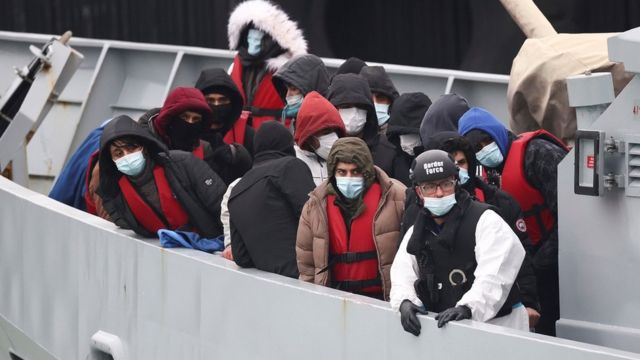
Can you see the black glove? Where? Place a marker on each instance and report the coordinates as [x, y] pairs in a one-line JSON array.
[[453, 313], [408, 317]]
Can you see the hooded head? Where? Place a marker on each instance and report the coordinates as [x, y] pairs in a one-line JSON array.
[[487, 124], [217, 81], [273, 21], [379, 81], [168, 124], [352, 65], [272, 136], [352, 150], [316, 115], [407, 113], [305, 72], [123, 127], [350, 89], [443, 115]]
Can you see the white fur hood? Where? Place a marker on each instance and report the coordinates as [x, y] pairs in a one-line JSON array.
[[272, 20]]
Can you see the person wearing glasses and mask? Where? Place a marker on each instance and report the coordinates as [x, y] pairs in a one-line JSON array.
[[318, 127], [349, 230], [459, 259]]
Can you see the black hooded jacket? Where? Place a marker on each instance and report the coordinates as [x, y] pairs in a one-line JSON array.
[[406, 116], [216, 80], [305, 72], [506, 206], [351, 89], [379, 81], [265, 205], [228, 161], [443, 115], [198, 189], [352, 65]]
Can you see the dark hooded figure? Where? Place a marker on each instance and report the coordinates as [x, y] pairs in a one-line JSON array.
[[383, 91], [174, 125], [298, 77], [265, 205], [146, 187], [404, 127], [443, 115], [352, 65], [351, 95], [228, 121]]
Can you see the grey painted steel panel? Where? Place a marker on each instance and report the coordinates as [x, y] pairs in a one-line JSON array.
[[66, 274], [129, 78], [599, 247]]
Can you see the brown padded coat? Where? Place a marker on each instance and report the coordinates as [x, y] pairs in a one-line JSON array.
[[312, 242]]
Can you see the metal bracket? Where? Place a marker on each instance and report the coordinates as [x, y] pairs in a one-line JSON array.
[[612, 145], [612, 180]]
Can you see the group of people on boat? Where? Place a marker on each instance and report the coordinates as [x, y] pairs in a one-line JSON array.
[[337, 179]]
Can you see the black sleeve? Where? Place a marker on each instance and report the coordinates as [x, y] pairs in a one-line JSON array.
[[239, 249], [207, 185], [527, 285], [401, 166], [296, 183], [541, 170], [411, 210], [249, 134]]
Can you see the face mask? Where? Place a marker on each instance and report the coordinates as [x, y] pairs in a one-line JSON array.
[[490, 156], [382, 111], [293, 105], [408, 142], [183, 135], [354, 119], [463, 174], [254, 38], [440, 206], [220, 113], [350, 187], [326, 142], [131, 164]]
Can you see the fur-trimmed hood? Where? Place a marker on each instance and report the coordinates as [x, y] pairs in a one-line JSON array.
[[272, 20]]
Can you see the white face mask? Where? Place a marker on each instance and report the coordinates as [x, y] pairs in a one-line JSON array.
[[326, 142], [354, 119], [382, 111], [408, 142]]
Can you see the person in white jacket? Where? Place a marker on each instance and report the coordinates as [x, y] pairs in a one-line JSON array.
[[459, 259]]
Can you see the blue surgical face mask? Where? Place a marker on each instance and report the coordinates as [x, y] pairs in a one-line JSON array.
[[490, 156], [463, 174], [439, 206], [293, 105], [131, 164], [254, 39], [350, 187], [382, 111]]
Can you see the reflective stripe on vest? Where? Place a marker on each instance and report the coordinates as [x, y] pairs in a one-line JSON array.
[[537, 216], [237, 133], [363, 275], [199, 151], [266, 97], [144, 214]]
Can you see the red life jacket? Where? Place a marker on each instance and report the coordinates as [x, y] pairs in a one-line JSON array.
[[355, 260], [174, 215], [480, 195], [267, 104], [88, 201], [199, 151], [237, 132], [537, 216]]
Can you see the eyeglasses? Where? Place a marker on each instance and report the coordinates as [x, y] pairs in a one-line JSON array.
[[432, 187]]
